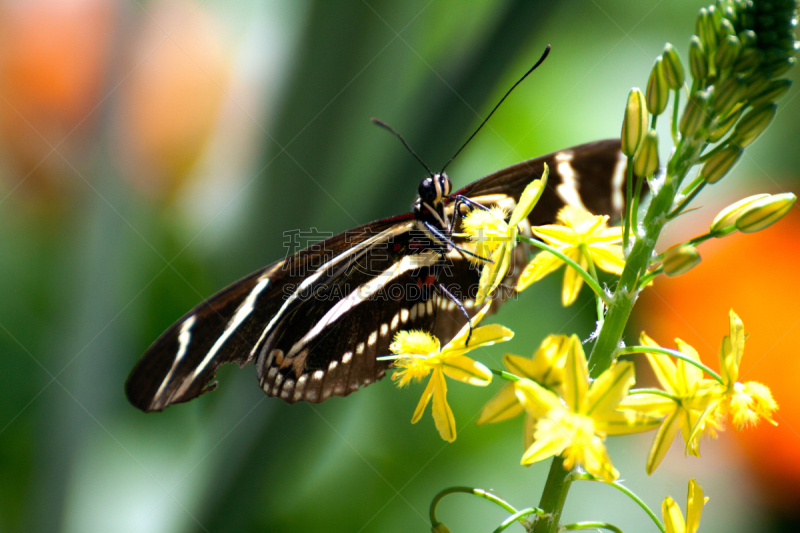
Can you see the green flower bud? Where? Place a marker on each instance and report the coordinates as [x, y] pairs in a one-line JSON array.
[[440, 528], [753, 124], [698, 63], [725, 126], [646, 161], [728, 52], [705, 28], [748, 61], [756, 84], [774, 90], [725, 222], [695, 115], [730, 92], [657, 89], [673, 68], [725, 29], [720, 163], [634, 125], [765, 212], [780, 67], [747, 38], [680, 260]]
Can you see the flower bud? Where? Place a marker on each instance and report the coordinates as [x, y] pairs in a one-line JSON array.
[[725, 126], [634, 125], [725, 29], [657, 89], [765, 212], [748, 60], [756, 84], [725, 222], [728, 52], [694, 116], [772, 92], [704, 28], [673, 68], [730, 93], [646, 161], [698, 62], [440, 528], [720, 163], [753, 124], [747, 38], [680, 260]]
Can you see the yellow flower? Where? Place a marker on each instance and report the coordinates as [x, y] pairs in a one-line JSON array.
[[582, 237], [546, 367], [682, 409], [696, 405], [673, 518], [746, 402], [418, 354], [576, 426], [496, 239]]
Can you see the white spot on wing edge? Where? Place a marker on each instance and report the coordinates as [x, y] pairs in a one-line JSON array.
[[184, 337], [567, 190], [384, 329], [346, 357], [372, 337], [617, 183]]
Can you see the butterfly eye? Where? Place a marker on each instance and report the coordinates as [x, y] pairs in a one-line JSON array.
[[427, 190], [446, 186]]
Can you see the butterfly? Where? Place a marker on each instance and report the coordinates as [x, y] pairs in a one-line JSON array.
[[315, 322]]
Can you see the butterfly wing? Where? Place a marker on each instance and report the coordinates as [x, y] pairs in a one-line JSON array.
[[236, 323], [588, 175]]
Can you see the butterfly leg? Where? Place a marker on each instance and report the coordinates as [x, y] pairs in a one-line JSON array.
[[466, 201], [460, 307], [447, 240]]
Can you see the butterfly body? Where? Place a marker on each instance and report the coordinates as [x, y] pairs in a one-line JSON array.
[[315, 322]]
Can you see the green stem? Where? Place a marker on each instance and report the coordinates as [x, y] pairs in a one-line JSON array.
[[676, 136], [657, 392], [505, 375], [673, 353], [635, 207], [517, 516], [585, 275], [469, 490], [647, 278], [627, 229], [687, 199], [638, 260], [599, 302], [553, 497], [625, 490], [591, 525]]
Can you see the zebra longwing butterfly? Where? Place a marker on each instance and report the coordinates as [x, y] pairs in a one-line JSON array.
[[315, 322]]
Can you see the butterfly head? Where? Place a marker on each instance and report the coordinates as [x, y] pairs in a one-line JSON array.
[[433, 189]]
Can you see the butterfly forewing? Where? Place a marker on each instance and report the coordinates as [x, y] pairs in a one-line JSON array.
[[316, 322]]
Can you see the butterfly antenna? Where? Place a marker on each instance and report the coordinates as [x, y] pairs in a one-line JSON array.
[[402, 140], [541, 59]]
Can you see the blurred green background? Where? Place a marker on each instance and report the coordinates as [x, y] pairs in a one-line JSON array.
[[153, 152]]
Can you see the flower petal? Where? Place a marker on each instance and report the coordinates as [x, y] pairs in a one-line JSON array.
[[544, 446], [687, 374], [608, 257], [576, 376], [502, 407], [663, 439], [694, 506], [626, 423], [442, 415], [732, 349], [572, 281], [528, 198], [663, 367], [648, 404], [464, 369], [423, 402], [537, 400], [542, 264], [673, 517], [597, 462], [558, 236], [609, 389]]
